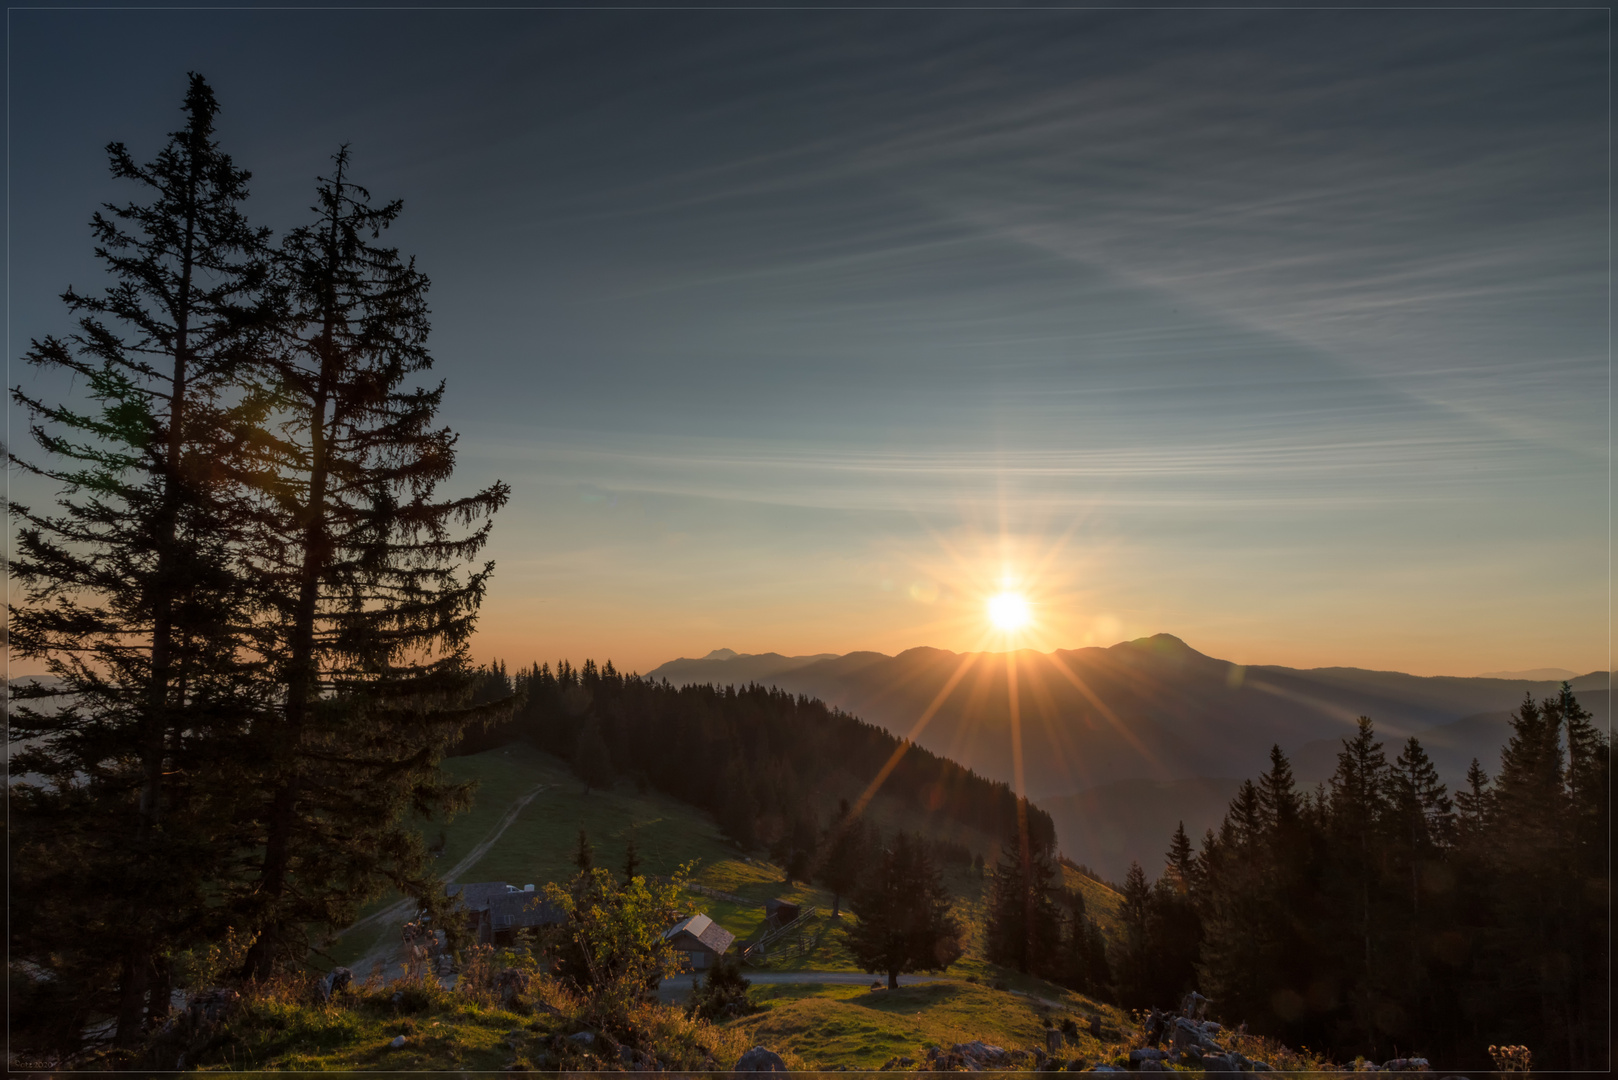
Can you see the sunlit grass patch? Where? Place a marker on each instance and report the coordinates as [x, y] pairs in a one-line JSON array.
[[833, 1025]]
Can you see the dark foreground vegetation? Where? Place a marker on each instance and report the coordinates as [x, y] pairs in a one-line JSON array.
[[251, 597], [1377, 914]]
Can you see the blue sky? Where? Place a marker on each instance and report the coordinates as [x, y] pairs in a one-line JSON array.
[[1282, 331]]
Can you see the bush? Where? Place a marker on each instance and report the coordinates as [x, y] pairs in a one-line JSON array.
[[723, 994]]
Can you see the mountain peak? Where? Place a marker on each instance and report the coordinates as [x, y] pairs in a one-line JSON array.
[[1163, 643], [722, 654]]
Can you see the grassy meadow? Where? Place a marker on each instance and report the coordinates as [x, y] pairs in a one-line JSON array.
[[818, 1025]]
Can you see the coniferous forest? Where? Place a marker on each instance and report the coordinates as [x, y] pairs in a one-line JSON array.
[[252, 599], [767, 764], [1382, 913]]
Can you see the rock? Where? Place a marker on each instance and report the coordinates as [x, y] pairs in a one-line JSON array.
[[1155, 1066], [1095, 1026], [398, 1041], [626, 1056], [582, 1038], [981, 1055], [1107, 1068], [760, 1059], [1077, 1065], [1262, 1066], [1147, 1054]]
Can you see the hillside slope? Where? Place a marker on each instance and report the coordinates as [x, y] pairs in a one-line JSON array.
[[1121, 743]]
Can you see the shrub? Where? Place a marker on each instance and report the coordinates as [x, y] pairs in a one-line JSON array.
[[723, 994]]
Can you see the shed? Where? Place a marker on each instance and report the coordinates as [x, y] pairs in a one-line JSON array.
[[780, 912], [702, 940]]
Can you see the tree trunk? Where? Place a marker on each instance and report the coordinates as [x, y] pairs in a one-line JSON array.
[[893, 980], [302, 674], [132, 996], [160, 996]]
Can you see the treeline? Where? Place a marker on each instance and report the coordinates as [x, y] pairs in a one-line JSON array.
[[252, 599], [1379, 913], [767, 764]]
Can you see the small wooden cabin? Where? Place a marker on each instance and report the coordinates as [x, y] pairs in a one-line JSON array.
[[779, 912], [495, 911], [702, 940]]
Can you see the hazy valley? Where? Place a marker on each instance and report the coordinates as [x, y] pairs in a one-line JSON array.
[[1120, 743]]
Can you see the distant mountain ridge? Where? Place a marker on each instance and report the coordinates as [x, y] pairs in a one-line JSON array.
[[1149, 728], [1537, 674], [739, 668]]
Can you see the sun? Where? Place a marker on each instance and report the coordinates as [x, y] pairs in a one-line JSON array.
[[1008, 611]]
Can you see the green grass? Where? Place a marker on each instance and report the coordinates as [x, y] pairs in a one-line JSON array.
[[828, 1025], [1101, 903], [539, 845], [279, 1027], [819, 1025], [273, 1036]]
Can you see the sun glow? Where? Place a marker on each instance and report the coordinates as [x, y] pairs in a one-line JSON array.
[[1008, 611]]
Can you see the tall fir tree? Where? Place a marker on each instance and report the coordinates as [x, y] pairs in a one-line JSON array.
[[1133, 969], [843, 854], [132, 595], [1023, 927], [1356, 890], [905, 923], [361, 576]]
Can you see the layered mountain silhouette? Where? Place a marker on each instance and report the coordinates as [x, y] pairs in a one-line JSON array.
[[1121, 743]]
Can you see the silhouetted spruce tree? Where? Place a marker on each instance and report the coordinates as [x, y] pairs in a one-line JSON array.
[[1023, 926], [843, 854], [132, 594], [905, 923], [363, 580], [1175, 925], [1589, 838], [1134, 967], [1236, 927], [1548, 801], [584, 856], [1421, 832], [1081, 962], [1356, 889]]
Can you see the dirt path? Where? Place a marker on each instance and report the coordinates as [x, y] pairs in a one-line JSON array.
[[399, 912]]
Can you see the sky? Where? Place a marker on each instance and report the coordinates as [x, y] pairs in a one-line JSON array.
[[1285, 332]]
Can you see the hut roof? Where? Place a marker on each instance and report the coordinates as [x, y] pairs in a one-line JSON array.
[[519, 909], [476, 895], [705, 930]]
